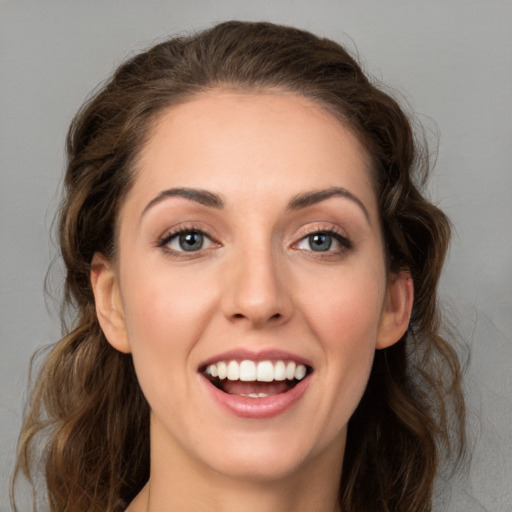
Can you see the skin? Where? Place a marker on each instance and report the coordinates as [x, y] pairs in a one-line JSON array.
[[255, 284]]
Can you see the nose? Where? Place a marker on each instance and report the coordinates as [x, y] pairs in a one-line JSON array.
[[256, 290]]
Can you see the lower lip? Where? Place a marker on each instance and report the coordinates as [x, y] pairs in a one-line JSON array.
[[258, 408]]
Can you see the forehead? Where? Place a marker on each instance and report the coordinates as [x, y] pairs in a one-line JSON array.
[[261, 143]]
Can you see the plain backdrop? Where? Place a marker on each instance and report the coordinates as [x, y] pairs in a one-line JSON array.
[[451, 61]]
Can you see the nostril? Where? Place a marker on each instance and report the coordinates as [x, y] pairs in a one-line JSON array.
[[274, 317]]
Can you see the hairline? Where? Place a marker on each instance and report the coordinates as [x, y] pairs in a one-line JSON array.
[[134, 167]]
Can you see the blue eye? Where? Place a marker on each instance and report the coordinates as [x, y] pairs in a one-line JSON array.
[[187, 241], [320, 242], [324, 241]]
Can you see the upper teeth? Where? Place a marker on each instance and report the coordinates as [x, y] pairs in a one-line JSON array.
[[262, 371]]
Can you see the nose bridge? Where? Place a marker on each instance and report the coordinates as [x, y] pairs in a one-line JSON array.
[[257, 290]]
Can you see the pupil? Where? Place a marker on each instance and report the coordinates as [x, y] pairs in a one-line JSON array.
[[320, 242], [191, 241]]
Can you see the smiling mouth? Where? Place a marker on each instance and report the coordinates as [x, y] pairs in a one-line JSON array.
[[256, 379]]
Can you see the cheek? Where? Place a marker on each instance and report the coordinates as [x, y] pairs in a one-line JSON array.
[[164, 314], [162, 327], [346, 307], [347, 325], [160, 304], [349, 328]]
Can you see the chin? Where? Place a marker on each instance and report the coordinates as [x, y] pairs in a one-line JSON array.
[[260, 468], [271, 457]]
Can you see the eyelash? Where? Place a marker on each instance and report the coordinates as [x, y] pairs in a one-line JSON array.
[[165, 240], [331, 230]]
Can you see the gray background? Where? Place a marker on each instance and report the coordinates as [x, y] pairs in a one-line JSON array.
[[450, 60]]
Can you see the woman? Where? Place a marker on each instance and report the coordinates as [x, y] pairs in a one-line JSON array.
[[253, 271]]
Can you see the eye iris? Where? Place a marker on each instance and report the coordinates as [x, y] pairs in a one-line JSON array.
[[320, 242], [191, 241]]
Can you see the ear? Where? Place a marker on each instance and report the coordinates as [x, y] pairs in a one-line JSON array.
[[397, 309], [107, 297]]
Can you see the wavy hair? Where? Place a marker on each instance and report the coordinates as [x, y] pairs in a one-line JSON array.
[[87, 421]]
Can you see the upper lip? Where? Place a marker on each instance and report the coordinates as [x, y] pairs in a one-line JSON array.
[[259, 355]]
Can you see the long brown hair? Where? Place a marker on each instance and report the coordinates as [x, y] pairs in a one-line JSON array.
[[87, 420]]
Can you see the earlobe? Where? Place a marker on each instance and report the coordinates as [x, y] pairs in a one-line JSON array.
[[397, 309], [109, 308]]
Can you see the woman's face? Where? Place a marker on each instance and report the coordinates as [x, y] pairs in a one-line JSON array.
[[250, 284]]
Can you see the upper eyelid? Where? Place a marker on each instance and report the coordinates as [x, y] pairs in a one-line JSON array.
[[320, 226], [340, 238], [301, 232], [171, 233], [327, 227]]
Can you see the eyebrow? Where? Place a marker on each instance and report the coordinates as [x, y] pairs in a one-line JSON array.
[[311, 198], [203, 197], [212, 200]]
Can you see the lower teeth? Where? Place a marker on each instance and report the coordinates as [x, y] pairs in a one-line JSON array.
[[252, 389]]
